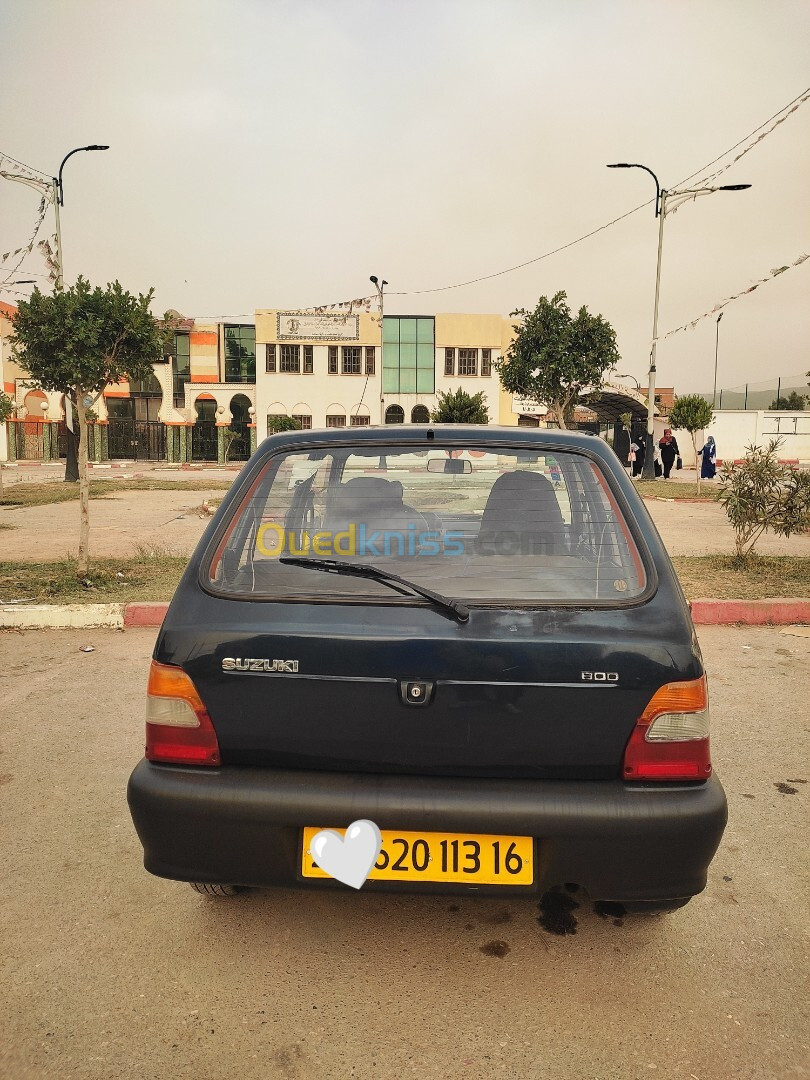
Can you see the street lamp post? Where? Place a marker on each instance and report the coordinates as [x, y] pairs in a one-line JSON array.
[[716, 345], [635, 380], [59, 200], [380, 286], [664, 201]]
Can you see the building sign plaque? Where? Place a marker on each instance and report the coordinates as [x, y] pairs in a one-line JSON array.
[[337, 327], [527, 407]]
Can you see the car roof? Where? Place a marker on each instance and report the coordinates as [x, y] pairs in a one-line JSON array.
[[421, 434]]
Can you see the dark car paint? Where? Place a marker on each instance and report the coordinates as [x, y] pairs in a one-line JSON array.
[[508, 707]]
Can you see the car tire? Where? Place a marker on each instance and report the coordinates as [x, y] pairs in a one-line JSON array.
[[214, 890], [654, 907]]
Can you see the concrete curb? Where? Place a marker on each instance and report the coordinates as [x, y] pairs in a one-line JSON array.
[[144, 613], [789, 611], [778, 612], [62, 616]]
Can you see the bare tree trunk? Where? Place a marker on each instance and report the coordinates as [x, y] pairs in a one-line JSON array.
[[559, 408], [83, 566], [697, 467]]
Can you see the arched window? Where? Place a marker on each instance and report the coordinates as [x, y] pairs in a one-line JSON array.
[[240, 403], [395, 414], [206, 408], [420, 415]]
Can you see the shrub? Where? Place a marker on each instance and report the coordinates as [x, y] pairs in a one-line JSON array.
[[762, 494], [460, 408]]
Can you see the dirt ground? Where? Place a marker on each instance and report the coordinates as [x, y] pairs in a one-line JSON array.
[[110, 973], [170, 521]]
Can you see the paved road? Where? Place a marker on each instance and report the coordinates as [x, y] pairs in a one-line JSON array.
[[110, 973]]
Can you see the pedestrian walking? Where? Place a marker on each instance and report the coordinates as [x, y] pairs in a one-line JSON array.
[[657, 460], [709, 460], [637, 457], [669, 451]]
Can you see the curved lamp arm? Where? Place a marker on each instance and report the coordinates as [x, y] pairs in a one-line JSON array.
[[58, 178], [628, 165]]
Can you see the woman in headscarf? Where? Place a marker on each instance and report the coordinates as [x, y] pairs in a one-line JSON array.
[[669, 451], [637, 456], [709, 463]]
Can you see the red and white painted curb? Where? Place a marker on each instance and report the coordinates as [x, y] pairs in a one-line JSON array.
[[789, 611]]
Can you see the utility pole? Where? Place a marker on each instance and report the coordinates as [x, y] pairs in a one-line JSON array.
[[380, 286], [661, 197], [716, 344], [60, 273]]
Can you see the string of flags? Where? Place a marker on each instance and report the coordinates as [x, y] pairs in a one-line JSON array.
[[20, 168], [27, 248], [50, 258], [719, 172], [729, 299], [363, 303]]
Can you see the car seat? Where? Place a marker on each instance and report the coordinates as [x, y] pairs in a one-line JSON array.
[[523, 505]]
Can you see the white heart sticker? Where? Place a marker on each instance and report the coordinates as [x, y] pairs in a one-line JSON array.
[[348, 858]]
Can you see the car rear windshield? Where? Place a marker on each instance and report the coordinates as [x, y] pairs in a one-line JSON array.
[[473, 524]]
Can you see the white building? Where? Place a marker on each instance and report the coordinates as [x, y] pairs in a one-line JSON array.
[[327, 370]]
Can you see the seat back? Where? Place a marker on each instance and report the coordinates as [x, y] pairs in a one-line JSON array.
[[523, 504], [369, 500]]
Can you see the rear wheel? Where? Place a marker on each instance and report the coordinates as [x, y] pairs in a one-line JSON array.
[[214, 890]]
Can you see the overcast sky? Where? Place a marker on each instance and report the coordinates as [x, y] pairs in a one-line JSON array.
[[274, 153]]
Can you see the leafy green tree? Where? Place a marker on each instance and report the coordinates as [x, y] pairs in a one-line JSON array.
[[282, 423], [78, 340], [6, 411], [691, 413], [794, 402], [460, 408], [762, 494], [555, 357]]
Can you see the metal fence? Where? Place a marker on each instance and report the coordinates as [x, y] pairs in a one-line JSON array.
[[761, 395], [140, 440]]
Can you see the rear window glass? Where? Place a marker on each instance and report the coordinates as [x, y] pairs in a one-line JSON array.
[[474, 525]]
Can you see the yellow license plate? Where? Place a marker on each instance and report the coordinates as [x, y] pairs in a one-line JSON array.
[[462, 858]]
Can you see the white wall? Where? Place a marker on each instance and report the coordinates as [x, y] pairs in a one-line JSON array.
[[736, 429], [317, 394]]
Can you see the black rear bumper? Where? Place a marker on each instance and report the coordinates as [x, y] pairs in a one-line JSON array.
[[242, 826]]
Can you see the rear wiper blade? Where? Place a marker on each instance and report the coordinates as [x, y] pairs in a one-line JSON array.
[[332, 566]]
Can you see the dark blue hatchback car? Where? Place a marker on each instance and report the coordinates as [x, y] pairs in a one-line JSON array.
[[471, 636]]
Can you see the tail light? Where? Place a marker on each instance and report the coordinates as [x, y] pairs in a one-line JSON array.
[[671, 738], [178, 728]]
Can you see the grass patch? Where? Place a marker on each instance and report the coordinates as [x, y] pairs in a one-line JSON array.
[[153, 574], [144, 577], [58, 491], [676, 489], [5, 525], [719, 577]]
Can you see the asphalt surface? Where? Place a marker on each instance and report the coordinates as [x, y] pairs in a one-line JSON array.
[[108, 972]]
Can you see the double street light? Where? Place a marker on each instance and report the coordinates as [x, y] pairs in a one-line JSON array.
[[665, 202]]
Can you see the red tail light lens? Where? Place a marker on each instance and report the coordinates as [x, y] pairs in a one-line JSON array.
[[671, 738], [178, 728]]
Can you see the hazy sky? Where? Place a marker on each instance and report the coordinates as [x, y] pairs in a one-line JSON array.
[[273, 153]]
